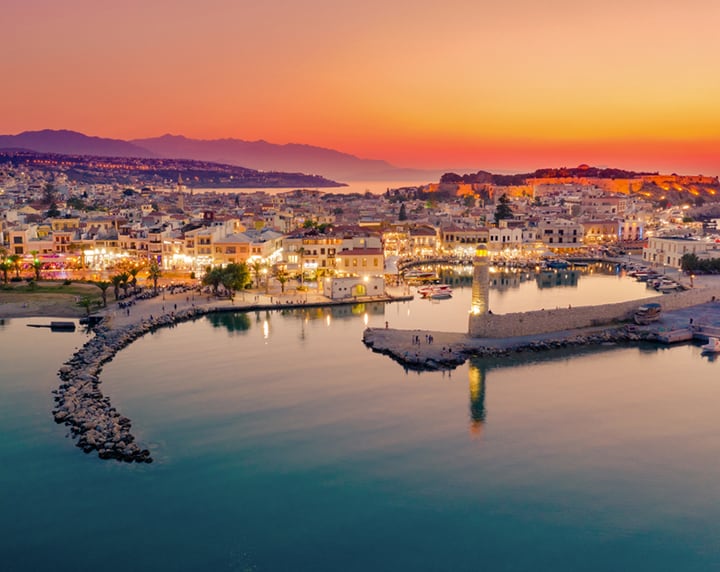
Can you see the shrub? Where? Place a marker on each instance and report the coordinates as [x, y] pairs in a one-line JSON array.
[[67, 282]]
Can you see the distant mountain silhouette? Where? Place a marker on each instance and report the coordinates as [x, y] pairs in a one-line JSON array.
[[261, 155], [72, 143], [266, 156]]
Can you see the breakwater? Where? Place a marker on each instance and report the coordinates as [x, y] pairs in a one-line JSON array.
[[93, 421], [553, 320], [80, 404], [451, 350]]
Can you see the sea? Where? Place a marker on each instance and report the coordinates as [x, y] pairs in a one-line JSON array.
[[361, 187], [282, 443]]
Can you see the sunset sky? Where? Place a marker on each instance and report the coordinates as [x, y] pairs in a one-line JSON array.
[[511, 85]]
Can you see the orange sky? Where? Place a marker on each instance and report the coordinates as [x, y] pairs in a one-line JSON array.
[[506, 85]]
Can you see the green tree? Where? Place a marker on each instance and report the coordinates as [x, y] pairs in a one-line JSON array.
[[103, 285], [87, 303], [689, 262], [402, 214], [213, 277], [117, 281], [53, 211], [257, 266], [125, 282], [5, 265], [503, 210], [15, 262], [282, 276], [133, 271], [36, 264], [235, 277], [154, 273]]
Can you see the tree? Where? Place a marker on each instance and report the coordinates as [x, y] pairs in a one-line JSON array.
[[213, 277], [256, 266], [36, 264], [301, 252], [85, 302], [503, 211], [15, 260], [117, 282], [282, 276], [154, 273], [53, 211], [125, 282], [133, 271], [49, 194], [402, 215], [689, 262], [103, 285], [5, 267], [235, 277]]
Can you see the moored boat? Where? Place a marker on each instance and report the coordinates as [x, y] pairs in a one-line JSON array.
[[647, 313], [435, 291], [712, 347]]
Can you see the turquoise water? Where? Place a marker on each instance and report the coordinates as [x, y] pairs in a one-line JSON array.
[[282, 443]]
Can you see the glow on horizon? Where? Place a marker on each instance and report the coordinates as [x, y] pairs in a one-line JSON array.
[[518, 85]]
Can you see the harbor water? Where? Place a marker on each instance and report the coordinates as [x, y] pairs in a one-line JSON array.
[[282, 443]]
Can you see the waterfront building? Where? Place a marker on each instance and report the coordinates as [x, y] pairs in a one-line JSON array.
[[669, 250]]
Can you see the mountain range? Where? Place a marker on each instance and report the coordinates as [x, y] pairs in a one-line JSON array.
[[259, 155]]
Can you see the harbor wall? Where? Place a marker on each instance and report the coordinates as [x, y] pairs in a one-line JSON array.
[[546, 321]]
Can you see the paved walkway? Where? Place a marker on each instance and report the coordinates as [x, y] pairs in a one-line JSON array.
[[166, 303]]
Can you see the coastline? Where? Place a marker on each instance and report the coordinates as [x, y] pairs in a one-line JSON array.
[[98, 427]]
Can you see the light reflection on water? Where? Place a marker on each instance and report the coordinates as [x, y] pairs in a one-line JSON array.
[[284, 444]]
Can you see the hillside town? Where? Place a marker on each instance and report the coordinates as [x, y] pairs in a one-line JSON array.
[[56, 227]]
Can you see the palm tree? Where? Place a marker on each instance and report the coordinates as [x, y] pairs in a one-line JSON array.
[[124, 282], [282, 276], [116, 281], [256, 266], [320, 273], [301, 252], [5, 264], [133, 271], [154, 273], [15, 263], [103, 285], [85, 302], [36, 264]]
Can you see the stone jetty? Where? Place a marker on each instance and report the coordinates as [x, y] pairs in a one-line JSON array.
[[80, 404], [425, 351], [93, 421]]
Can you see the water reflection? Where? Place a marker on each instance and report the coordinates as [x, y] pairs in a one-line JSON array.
[[233, 322], [476, 375], [555, 278]]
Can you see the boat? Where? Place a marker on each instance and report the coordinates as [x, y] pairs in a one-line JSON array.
[[557, 264], [435, 291], [647, 313], [419, 274], [712, 347]]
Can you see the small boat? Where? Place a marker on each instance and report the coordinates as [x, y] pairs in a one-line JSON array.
[[557, 264], [712, 347], [435, 291], [647, 313], [419, 274]]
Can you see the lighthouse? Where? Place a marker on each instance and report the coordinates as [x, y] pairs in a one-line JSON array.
[[480, 284]]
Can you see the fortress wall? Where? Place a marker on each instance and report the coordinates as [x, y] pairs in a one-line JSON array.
[[546, 321]]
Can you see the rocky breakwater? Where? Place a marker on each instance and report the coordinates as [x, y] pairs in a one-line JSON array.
[[81, 405], [447, 350]]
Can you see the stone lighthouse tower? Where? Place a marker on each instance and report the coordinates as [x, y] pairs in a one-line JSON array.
[[481, 283]]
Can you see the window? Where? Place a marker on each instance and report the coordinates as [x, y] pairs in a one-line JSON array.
[[17, 239]]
